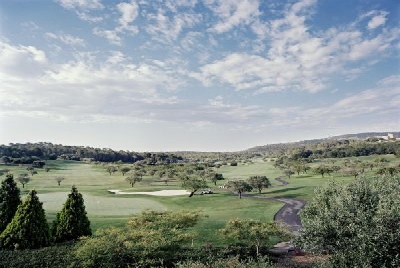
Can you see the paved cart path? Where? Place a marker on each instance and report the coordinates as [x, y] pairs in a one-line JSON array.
[[289, 213]]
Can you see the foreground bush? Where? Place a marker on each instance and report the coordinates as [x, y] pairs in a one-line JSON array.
[[358, 224], [149, 239], [51, 257], [231, 262]]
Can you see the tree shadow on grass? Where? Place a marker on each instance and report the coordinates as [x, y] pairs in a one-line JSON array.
[[286, 189], [303, 176]]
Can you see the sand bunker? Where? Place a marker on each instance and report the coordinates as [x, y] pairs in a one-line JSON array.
[[156, 193]]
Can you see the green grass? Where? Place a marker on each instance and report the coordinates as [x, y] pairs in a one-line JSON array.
[[105, 209]]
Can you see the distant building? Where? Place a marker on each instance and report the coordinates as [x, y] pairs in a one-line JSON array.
[[388, 137]]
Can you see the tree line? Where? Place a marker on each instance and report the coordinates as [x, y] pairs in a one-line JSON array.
[[27, 153]]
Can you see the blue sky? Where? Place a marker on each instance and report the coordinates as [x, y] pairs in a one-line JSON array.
[[205, 75]]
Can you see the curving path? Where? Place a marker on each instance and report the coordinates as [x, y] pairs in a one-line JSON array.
[[289, 213]]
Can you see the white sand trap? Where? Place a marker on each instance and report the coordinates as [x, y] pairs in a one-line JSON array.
[[156, 193]]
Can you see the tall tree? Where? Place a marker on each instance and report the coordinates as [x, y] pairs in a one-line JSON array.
[[71, 222], [9, 201], [259, 182], [28, 228]]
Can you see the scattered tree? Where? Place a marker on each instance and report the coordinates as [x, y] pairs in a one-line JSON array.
[[124, 170], [133, 178], [71, 222], [192, 184], [352, 171], [111, 169], [288, 172], [239, 186], [59, 179], [9, 201], [28, 228], [23, 179], [322, 170], [259, 182]]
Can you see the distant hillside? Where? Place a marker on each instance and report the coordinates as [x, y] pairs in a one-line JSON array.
[[280, 147]]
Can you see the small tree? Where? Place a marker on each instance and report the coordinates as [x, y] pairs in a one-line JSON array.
[[59, 179], [322, 170], [9, 201], [259, 182], [23, 179], [111, 169], [133, 178], [28, 228], [71, 222], [288, 172], [124, 170], [239, 186], [192, 184]]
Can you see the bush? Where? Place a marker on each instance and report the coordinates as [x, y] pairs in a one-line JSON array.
[[55, 256], [358, 223]]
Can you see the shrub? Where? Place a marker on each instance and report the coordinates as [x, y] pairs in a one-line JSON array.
[[358, 223]]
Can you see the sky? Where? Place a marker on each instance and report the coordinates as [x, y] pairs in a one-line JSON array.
[[196, 75]]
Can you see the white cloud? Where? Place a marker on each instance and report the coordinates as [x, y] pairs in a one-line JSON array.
[[86, 17], [297, 58], [82, 4], [233, 13], [84, 89], [21, 60], [111, 35], [67, 39], [377, 20], [166, 29], [129, 12]]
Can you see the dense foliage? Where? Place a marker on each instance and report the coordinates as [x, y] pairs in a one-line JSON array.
[[152, 238], [28, 229], [339, 146], [30, 152], [358, 223], [252, 232], [71, 222], [9, 201], [59, 255]]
